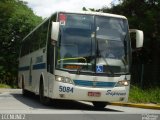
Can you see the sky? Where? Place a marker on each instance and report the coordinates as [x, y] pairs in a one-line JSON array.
[[45, 8]]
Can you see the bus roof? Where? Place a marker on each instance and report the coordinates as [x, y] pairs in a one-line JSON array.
[[95, 13]]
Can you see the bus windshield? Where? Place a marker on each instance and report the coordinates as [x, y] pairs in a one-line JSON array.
[[95, 44]]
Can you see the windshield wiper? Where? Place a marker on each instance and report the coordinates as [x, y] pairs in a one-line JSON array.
[[125, 51], [98, 53], [82, 66], [79, 70], [85, 65], [124, 63]]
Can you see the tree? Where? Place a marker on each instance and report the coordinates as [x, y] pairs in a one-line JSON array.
[[17, 20]]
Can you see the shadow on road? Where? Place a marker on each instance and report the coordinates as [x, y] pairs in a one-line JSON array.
[[33, 102]]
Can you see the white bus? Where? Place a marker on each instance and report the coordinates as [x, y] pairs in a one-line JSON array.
[[83, 56]]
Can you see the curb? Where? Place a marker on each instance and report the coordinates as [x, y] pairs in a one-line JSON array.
[[146, 106]]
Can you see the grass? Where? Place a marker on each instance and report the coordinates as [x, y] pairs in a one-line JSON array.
[[4, 86], [137, 95]]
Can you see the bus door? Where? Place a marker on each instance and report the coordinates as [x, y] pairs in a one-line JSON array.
[[30, 73], [50, 68]]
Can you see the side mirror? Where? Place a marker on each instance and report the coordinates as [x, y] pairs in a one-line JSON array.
[[139, 37], [55, 31]]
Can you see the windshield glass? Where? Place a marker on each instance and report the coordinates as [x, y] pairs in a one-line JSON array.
[[92, 44], [111, 36]]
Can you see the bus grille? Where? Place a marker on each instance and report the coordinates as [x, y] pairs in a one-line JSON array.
[[97, 84]]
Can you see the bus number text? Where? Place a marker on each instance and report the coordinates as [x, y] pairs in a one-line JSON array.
[[65, 89]]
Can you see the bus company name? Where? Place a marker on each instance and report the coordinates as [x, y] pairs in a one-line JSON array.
[[115, 93]]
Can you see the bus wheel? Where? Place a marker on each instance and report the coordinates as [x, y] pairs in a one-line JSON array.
[[44, 100], [99, 104]]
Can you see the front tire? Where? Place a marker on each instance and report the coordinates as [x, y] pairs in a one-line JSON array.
[[99, 104], [44, 100]]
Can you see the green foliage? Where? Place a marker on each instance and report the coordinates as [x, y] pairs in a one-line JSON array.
[[137, 95], [4, 86], [16, 21]]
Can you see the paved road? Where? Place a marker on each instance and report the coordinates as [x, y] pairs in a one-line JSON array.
[[12, 101]]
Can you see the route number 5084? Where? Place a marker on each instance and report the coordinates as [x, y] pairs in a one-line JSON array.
[[65, 89]]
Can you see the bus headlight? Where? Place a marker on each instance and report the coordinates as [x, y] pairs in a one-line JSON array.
[[63, 79], [122, 83]]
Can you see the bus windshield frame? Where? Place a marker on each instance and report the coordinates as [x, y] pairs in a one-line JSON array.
[[93, 44]]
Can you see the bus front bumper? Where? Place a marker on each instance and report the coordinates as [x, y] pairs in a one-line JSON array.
[[72, 92]]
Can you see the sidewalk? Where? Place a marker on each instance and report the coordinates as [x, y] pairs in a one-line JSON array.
[[137, 105]]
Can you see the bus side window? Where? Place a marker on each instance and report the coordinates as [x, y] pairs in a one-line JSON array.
[[43, 33], [36, 39], [25, 48], [31, 43]]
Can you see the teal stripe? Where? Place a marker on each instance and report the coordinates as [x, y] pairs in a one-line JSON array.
[[93, 83], [35, 67], [39, 66], [24, 68]]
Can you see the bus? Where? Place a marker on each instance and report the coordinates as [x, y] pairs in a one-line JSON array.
[[82, 56]]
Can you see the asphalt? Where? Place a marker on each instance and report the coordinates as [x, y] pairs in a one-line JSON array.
[[136, 105]]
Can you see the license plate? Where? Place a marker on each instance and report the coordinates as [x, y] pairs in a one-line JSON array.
[[94, 94]]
